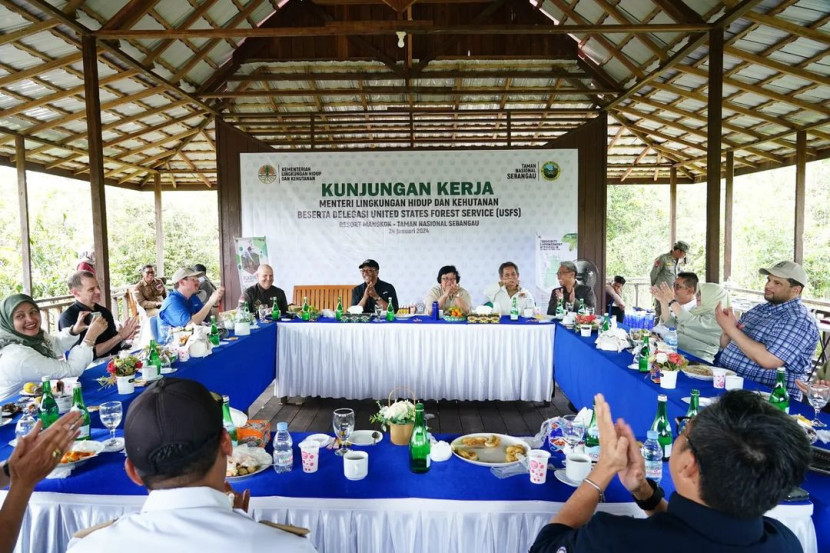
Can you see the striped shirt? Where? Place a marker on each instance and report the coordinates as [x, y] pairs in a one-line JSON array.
[[788, 331]]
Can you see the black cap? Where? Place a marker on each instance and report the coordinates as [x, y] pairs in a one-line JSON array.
[[370, 263], [172, 424]]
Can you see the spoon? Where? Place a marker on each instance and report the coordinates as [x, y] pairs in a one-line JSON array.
[[376, 437]]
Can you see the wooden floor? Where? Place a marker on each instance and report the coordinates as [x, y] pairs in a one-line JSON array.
[[516, 418]]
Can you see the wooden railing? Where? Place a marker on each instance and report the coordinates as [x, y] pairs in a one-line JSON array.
[[51, 308]]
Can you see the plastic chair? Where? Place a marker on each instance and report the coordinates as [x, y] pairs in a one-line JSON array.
[[154, 328]]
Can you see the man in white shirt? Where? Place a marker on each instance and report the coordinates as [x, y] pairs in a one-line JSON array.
[[501, 293], [177, 448]]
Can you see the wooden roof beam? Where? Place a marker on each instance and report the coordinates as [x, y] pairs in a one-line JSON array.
[[778, 66], [39, 69], [129, 15], [780, 23], [679, 11], [30, 30], [391, 90]]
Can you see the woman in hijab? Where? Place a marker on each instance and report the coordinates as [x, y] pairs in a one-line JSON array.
[[698, 333], [86, 261], [27, 354]]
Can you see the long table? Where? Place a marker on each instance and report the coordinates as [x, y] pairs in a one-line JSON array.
[[583, 371], [438, 360]]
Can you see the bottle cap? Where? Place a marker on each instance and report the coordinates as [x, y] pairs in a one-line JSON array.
[[662, 397], [44, 379], [282, 426], [651, 435], [695, 392], [672, 328]]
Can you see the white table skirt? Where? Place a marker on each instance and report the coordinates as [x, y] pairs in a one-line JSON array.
[[359, 525], [437, 361]]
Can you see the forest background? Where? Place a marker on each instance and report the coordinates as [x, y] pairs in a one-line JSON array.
[[638, 229]]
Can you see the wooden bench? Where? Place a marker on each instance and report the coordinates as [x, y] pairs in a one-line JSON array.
[[323, 296]]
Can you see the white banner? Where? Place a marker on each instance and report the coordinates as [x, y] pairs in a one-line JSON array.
[[323, 213]]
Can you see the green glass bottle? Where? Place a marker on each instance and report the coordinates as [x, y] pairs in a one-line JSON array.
[[227, 420], [214, 331], [338, 313], [606, 322], [779, 396], [419, 446], [662, 426], [48, 406], [560, 308], [514, 309], [694, 404], [306, 312], [592, 436], [275, 311], [582, 309], [78, 405], [153, 357], [642, 360], [390, 310]]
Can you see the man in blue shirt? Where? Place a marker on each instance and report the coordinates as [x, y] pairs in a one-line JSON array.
[[183, 305], [732, 463], [779, 333]]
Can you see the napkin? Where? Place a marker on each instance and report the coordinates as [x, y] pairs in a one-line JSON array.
[[440, 451], [483, 310], [355, 310], [59, 472], [823, 435], [614, 339]]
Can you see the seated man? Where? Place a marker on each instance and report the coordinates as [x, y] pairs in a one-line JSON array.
[[686, 287], [206, 286], [177, 449], [183, 306], [448, 293], [614, 299], [87, 293], [779, 333], [501, 293], [373, 290], [150, 291], [570, 290], [264, 292], [733, 462]]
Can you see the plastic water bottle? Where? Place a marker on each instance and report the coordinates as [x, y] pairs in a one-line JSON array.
[[671, 340], [653, 455], [283, 449]]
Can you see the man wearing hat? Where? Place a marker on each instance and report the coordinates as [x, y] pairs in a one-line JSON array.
[[779, 333], [665, 268], [177, 448], [373, 291], [183, 305]]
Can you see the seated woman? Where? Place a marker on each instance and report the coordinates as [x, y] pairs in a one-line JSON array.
[[698, 333], [448, 293], [27, 354]]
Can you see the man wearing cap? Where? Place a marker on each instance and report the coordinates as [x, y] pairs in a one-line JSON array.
[[264, 292], [665, 267], [373, 291], [570, 290], [779, 333], [183, 305], [177, 448], [150, 291]]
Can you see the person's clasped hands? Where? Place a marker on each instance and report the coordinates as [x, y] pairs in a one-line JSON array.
[[618, 452]]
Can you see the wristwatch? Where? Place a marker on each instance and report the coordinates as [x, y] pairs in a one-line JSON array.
[[672, 302], [6, 470], [652, 502]]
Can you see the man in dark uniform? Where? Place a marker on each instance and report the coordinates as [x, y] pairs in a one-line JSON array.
[[732, 463], [570, 290], [87, 293], [264, 292], [373, 290]]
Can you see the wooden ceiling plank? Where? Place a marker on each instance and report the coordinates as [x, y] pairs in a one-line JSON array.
[[679, 11], [780, 23], [189, 20], [611, 10], [30, 30], [39, 69], [129, 14], [386, 90], [778, 66]]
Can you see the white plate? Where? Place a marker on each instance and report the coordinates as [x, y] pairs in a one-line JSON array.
[[705, 377], [634, 366], [562, 477], [406, 316], [322, 439], [168, 370], [257, 455], [702, 401], [84, 445], [489, 456], [6, 420], [239, 418], [364, 437]]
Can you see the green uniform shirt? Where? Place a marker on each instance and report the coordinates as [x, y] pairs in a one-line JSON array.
[[664, 270]]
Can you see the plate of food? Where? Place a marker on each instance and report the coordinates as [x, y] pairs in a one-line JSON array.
[[489, 450], [31, 389], [10, 409], [702, 372], [80, 452], [246, 461]]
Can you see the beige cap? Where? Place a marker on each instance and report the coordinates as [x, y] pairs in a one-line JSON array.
[[184, 273], [787, 269]]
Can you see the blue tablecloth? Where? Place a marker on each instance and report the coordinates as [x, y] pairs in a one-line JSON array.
[[582, 371]]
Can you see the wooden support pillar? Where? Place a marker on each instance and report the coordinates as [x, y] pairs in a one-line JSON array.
[[800, 191], [23, 203], [673, 205], [159, 226], [96, 166], [727, 223], [411, 129], [713, 147], [509, 131]]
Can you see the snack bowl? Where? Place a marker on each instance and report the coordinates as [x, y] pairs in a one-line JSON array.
[[80, 452]]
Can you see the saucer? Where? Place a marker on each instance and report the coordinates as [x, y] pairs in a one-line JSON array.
[[364, 437], [562, 477], [168, 370], [634, 366]]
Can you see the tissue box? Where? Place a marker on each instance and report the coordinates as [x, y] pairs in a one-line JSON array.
[[256, 433]]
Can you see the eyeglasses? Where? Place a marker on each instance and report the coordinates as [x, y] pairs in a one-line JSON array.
[[368, 270], [150, 273], [683, 430]]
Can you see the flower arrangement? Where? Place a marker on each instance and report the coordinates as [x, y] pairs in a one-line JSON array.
[[586, 320], [123, 365], [664, 362], [400, 412]]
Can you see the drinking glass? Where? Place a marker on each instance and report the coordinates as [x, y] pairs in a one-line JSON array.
[[24, 425], [569, 307], [110, 414], [164, 334], [343, 422], [378, 310], [572, 430], [818, 395], [264, 311]]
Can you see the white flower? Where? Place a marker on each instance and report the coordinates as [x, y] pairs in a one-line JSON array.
[[661, 358]]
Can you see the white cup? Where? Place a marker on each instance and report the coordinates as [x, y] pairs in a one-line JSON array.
[[64, 403], [718, 378], [734, 382], [356, 465], [528, 313], [577, 467], [149, 372], [184, 354], [585, 330], [537, 464], [310, 454]]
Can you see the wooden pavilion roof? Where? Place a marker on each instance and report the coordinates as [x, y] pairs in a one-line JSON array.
[[330, 74]]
